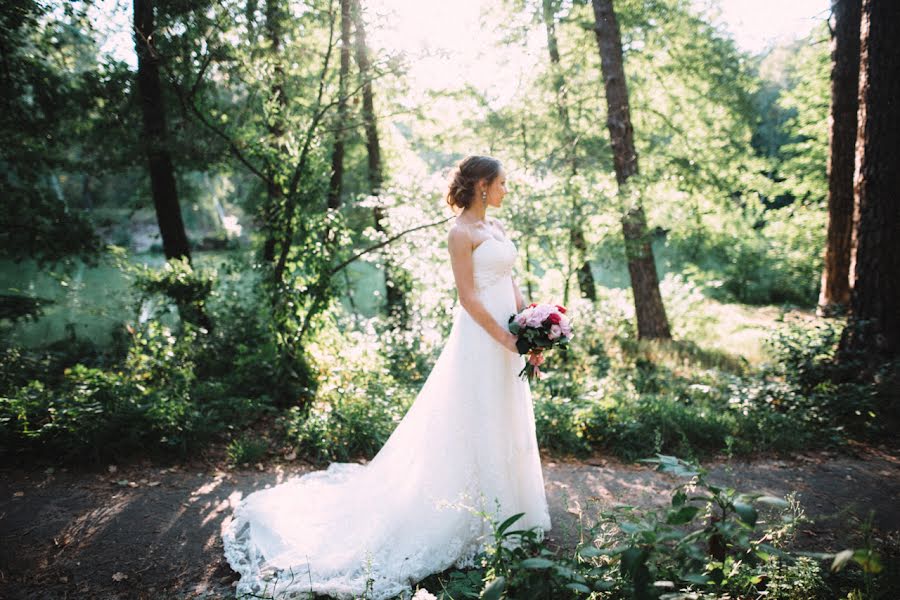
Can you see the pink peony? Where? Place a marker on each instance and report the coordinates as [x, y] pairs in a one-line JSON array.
[[555, 331]]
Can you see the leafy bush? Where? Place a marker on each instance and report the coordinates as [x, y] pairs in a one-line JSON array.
[[358, 403], [246, 449], [709, 542], [103, 413], [844, 394]]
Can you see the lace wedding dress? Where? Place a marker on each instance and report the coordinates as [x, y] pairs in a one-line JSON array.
[[464, 452]]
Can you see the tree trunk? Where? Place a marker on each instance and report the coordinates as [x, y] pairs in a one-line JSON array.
[[162, 174], [396, 279], [651, 314], [576, 232], [835, 292], [337, 155], [874, 326], [274, 193]]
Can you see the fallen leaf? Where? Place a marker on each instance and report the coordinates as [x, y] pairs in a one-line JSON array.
[[153, 483], [119, 576], [112, 468], [19, 494]]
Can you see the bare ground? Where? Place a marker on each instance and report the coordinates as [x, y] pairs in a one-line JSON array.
[[149, 531]]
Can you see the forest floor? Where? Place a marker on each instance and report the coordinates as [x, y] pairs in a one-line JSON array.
[[149, 531]]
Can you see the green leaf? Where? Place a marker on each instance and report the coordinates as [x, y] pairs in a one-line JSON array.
[[629, 527], [868, 560], [590, 551], [632, 559], [536, 563], [679, 498], [683, 515], [494, 589], [579, 587], [505, 525], [698, 578], [746, 513]]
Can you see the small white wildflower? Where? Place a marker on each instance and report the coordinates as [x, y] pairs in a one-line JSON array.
[[423, 594]]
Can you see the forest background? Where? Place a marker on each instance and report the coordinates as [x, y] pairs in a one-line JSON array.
[[224, 225]]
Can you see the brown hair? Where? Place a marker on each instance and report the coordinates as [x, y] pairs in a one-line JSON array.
[[469, 172]]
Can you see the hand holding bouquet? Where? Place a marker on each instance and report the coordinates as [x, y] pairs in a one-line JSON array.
[[538, 327]]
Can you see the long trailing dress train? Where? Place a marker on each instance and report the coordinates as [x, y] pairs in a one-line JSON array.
[[465, 451]]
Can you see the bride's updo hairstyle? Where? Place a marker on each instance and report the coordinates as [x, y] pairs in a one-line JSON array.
[[470, 171]]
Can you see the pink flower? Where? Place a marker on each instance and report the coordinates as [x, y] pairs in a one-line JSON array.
[[555, 331], [539, 315]]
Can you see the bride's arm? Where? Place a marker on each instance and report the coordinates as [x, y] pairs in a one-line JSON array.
[[520, 301], [463, 272]]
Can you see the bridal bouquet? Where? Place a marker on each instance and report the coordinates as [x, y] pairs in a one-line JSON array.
[[538, 327]]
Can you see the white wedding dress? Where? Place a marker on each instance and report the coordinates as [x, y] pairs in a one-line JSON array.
[[467, 444]]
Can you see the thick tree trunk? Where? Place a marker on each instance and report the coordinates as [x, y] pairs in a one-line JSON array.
[[576, 232], [337, 155], [274, 193], [874, 327], [396, 279], [651, 314], [834, 296], [162, 174]]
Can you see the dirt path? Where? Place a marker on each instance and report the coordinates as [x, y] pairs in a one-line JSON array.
[[145, 531]]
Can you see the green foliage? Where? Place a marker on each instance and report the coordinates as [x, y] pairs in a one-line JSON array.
[[707, 542], [358, 403], [832, 392], [770, 257], [706, 539], [46, 79], [99, 414], [806, 100], [246, 449]]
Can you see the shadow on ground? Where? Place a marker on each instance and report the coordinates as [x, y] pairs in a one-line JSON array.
[[145, 531]]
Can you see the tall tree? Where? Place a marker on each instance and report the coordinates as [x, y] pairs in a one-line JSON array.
[[274, 194], [874, 325], [162, 173], [651, 314], [835, 291], [570, 139], [396, 280], [337, 156]]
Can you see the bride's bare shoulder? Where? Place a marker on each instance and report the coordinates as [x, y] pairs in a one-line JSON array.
[[458, 239]]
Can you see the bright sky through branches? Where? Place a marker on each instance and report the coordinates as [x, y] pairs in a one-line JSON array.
[[451, 44]]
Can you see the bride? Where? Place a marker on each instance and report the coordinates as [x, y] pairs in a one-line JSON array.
[[465, 452]]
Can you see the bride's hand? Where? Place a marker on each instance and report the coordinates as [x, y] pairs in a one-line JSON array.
[[510, 342]]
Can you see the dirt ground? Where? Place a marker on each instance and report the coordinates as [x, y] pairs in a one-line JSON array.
[[150, 531]]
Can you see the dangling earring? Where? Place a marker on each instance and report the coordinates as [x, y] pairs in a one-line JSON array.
[[484, 198]]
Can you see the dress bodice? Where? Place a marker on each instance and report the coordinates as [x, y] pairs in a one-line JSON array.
[[493, 260]]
